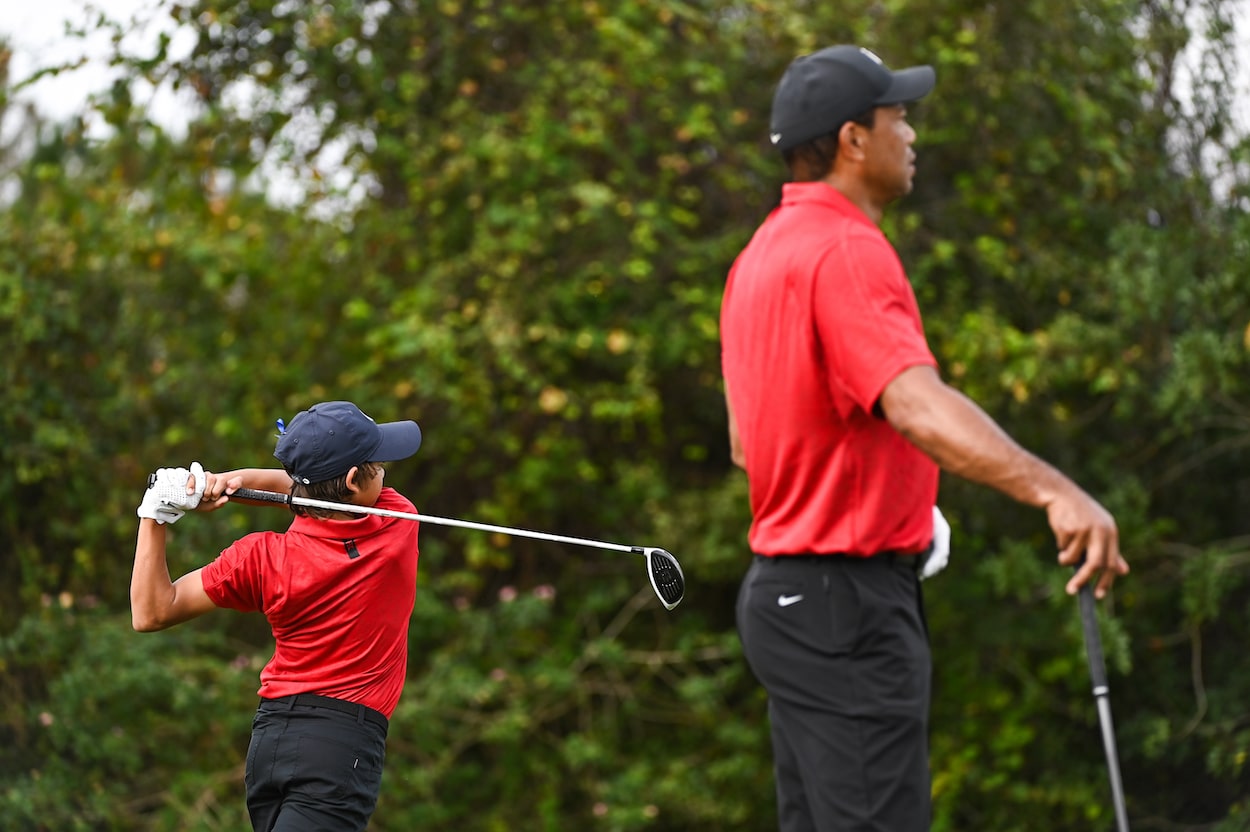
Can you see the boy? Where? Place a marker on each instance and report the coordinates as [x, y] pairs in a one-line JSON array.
[[338, 591]]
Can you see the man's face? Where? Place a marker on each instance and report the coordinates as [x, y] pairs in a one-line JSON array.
[[889, 161]]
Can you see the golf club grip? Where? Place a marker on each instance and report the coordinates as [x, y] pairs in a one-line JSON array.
[[1098, 676], [1093, 641], [261, 496]]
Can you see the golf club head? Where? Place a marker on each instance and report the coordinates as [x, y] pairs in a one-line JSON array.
[[667, 579]]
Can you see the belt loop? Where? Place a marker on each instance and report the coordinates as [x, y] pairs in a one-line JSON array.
[[360, 714], [291, 702]]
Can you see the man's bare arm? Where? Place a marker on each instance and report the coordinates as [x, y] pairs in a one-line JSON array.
[[962, 439]]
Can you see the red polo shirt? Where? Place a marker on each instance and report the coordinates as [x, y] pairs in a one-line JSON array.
[[338, 595], [817, 318]]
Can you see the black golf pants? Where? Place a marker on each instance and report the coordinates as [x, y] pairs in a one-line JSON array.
[[314, 765], [841, 646]]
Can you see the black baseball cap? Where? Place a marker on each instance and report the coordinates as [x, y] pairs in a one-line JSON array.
[[328, 439], [822, 91]]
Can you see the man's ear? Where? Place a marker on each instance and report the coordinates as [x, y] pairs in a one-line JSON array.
[[350, 479], [851, 140]]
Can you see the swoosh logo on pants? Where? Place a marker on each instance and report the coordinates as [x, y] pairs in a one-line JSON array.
[[787, 600]]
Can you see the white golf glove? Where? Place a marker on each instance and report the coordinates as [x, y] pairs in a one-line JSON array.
[[167, 499], [941, 553]]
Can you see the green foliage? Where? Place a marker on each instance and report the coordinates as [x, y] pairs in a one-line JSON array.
[[100, 723], [512, 222]]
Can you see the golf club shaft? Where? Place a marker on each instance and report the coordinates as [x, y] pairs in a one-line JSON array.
[[308, 502], [1098, 675]]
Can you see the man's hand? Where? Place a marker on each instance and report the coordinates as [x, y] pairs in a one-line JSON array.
[[1088, 539], [171, 492]]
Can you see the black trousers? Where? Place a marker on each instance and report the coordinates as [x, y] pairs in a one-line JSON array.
[[314, 765], [841, 646]]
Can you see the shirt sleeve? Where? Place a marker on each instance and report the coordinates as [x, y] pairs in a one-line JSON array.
[[233, 580], [866, 317]]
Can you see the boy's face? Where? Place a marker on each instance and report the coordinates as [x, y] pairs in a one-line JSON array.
[[367, 492]]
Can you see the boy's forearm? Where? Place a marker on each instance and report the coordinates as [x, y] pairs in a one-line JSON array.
[[151, 590], [260, 479]]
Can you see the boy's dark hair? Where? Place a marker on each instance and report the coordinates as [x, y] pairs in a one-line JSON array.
[[332, 491], [812, 160]]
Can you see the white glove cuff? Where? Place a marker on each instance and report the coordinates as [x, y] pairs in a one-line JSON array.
[[941, 551]]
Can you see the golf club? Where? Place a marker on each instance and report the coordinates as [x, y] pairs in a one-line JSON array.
[[663, 570], [1098, 675]]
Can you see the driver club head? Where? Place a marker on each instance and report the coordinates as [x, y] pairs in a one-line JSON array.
[[667, 579]]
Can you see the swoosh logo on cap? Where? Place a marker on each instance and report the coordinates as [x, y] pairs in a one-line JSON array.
[[787, 600], [775, 137], [872, 56]]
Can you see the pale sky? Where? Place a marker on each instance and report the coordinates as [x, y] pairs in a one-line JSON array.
[[36, 30]]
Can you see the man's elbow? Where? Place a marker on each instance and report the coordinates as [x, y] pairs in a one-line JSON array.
[[916, 431], [908, 403]]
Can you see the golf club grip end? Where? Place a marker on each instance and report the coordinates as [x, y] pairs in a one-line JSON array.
[[261, 496], [1093, 639]]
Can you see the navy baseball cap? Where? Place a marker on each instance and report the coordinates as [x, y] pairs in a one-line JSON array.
[[326, 440], [822, 91]]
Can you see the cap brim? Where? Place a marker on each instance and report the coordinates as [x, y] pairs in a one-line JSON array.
[[400, 440], [910, 84]]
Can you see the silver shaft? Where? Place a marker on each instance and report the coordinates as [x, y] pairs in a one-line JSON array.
[[308, 502], [663, 570], [1113, 762]]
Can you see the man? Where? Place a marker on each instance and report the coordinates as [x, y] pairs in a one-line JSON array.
[[841, 421], [338, 591]]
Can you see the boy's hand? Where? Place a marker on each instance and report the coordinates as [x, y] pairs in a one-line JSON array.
[[171, 491], [214, 488]]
